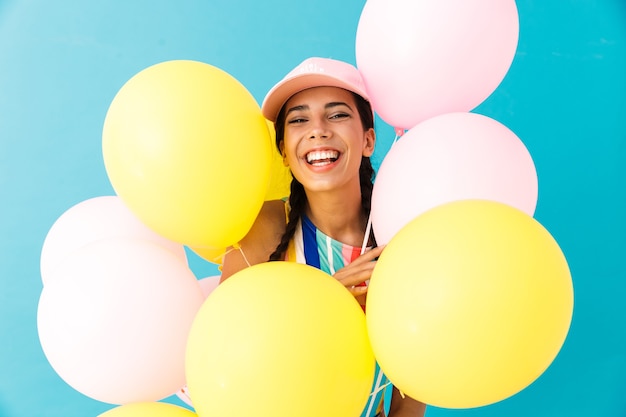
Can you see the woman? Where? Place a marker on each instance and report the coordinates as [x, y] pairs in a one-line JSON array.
[[325, 134]]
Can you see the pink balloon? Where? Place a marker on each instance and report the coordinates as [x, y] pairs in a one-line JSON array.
[[92, 220], [451, 157], [114, 317], [208, 284], [423, 58]]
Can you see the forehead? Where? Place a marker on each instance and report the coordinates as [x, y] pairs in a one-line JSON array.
[[320, 95]]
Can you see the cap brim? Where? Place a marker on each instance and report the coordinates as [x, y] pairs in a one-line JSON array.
[[278, 96]]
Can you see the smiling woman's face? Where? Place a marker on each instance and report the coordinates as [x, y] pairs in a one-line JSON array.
[[324, 139]]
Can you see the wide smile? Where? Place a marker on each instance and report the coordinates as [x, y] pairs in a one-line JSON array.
[[321, 158]]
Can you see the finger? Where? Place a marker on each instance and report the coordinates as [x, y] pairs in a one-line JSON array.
[[369, 256], [374, 252], [355, 275], [357, 290], [355, 269]]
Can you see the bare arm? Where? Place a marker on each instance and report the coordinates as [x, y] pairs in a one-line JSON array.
[[404, 406], [262, 239]]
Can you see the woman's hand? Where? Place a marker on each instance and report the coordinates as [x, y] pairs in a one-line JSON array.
[[360, 270]]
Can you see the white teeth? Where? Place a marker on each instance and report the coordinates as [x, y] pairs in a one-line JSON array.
[[321, 156]]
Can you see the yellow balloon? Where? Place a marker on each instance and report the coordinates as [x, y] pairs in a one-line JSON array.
[[280, 175], [279, 188], [148, 409], [213, 255], [468, 304], [279, 339], [187, 149]]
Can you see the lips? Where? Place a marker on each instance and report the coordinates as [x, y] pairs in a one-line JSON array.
[[321, 158]]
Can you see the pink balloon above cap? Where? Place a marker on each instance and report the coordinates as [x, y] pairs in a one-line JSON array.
[[423, 58]]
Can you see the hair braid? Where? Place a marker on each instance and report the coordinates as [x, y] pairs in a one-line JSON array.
[[297, 203], [367, 175]]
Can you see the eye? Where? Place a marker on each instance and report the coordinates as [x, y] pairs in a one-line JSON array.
[[340, 115], [297, 120]]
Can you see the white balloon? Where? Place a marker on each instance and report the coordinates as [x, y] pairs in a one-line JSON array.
[[91, 220], [114, 318]]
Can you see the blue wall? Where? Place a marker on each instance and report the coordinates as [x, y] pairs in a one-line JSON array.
[[62, 62]]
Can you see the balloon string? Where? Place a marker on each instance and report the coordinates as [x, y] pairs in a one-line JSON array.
[[381, 388], [240, 249], [217, 258], [368, 232]]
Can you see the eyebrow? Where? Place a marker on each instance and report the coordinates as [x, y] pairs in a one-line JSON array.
[[327, 106]]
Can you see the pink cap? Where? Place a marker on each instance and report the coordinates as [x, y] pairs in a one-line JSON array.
[[313, 72]]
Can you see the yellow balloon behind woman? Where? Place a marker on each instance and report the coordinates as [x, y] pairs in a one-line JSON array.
[[280, 175], [468, 304], [187, 149]]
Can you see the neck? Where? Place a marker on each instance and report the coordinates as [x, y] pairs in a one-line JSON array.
[[339, 216]]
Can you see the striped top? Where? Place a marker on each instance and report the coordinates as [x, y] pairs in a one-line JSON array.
[[312, 247]]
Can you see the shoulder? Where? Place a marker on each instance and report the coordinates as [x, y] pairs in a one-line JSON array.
[[261, 240], [270, 223]]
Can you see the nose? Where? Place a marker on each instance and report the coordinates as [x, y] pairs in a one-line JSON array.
[[319, 130]]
